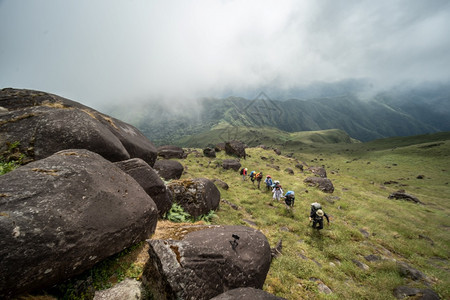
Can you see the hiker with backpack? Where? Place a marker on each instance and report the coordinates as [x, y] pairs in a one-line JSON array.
[[277, 192], [259, 177], [252, 176], [268, 182], [244, 173], [316, 216], [289, 199]]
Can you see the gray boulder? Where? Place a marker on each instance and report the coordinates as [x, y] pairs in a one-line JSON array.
[[410, 272], [171, 151], [324, 184], [209, 152], [44, 124], [129, 289], [246, 293], [235, 148], [207, 263], [63, 214], [149, 181], [197, 196], [289, 171], [231, 164], [402, 292], [402, 195], [221, 183], [169, 169]]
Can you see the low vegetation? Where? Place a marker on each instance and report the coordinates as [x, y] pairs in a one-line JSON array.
[[11, 158], [363, 220]]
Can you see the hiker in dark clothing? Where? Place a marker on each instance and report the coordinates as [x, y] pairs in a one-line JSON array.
[[259, 177], [289, 199], [317, 219]]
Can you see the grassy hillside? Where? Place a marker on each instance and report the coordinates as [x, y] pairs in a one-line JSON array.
[[397, 230], [269, 136], [363, 220], [388, 114]]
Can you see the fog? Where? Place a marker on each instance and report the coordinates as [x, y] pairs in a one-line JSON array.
[[105, 52]]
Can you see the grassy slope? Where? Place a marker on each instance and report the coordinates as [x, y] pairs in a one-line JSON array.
[[360, 202], [268, 136]]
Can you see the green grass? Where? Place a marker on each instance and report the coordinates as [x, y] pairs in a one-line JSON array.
[[268, 136], [398, 230]]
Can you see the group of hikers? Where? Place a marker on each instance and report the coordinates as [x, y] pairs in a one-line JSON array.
[[316, 215]]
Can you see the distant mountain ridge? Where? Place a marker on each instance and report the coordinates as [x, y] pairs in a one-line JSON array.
[[388, 114]]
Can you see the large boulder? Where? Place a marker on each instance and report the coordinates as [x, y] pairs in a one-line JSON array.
[[149, 181], [324, 184], [207, 263], [245, 293], [409, 292], [169, 169], [44, 124], [209, 152], [233, 164], [170, 151], [402, 195], [235, 148], [197, 196], [63, 214]]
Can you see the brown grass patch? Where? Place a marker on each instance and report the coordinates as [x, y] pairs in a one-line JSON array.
[[110, 121], [51, 104], [52, 172]]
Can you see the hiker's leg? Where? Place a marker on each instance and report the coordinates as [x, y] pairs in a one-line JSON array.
[[320, 224]]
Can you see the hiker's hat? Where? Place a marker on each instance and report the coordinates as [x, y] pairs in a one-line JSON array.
[[320, 213], [268, 176]]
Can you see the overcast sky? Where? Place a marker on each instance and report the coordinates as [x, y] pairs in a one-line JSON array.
[[98, 52]]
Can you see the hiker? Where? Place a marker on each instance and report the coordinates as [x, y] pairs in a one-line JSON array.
[[268, 182], [252, 176], [276, 183], [317, 218], [244, 173], [289, 199], [259, 177], [277, 192]]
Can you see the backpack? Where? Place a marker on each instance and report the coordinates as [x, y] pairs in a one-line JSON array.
[[315, 207], [290, 194], [289, 198], [252, 173], [259, 176], [242, 171]]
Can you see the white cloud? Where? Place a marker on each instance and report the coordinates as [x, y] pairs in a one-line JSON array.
[[98, 52]]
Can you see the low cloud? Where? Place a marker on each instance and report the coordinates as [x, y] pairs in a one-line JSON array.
[[103, 52]]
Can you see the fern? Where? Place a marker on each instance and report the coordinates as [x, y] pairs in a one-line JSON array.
[[178, 215]]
